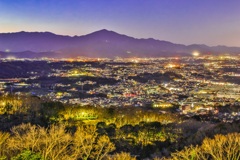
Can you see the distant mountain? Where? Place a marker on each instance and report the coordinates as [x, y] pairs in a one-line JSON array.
[[102, 43], [30, 54]]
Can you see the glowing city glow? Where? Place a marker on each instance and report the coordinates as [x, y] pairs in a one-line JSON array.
[[195, 53], [7, 50]]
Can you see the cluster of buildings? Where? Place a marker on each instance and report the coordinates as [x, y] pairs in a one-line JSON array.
[[193, 85]]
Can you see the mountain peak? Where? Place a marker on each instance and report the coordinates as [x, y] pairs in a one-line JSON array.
[[104, 31], [102, 43], [107, 34]]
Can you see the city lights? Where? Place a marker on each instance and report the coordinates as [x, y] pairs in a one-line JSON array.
[[195, 53]]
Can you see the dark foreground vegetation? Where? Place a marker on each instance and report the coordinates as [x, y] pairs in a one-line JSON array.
[[31, 128]]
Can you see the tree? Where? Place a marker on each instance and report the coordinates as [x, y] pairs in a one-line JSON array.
[[225, 147], [3, 143], [89, 145], [103, 147], [27, 155], [121, 156], [222, 147], [52, 143], [55, 143], [189, 153]]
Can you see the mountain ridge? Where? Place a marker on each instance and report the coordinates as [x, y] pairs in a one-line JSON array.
[[102, 43]]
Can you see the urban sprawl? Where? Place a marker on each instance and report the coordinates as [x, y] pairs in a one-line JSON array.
[[190, 86]]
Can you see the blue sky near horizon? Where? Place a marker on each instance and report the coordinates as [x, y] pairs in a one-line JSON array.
[[211, 22]]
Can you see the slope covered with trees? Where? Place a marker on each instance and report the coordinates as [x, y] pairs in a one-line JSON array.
[[34, 129]]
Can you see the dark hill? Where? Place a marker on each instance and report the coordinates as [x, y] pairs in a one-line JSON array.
[[101, 43]]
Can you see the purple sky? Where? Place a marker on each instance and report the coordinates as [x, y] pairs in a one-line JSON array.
[[211, 22]]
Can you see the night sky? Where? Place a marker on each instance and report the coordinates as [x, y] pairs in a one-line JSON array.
[[211, 22]]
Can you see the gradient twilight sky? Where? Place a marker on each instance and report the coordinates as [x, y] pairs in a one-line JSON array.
[[211, 22]]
